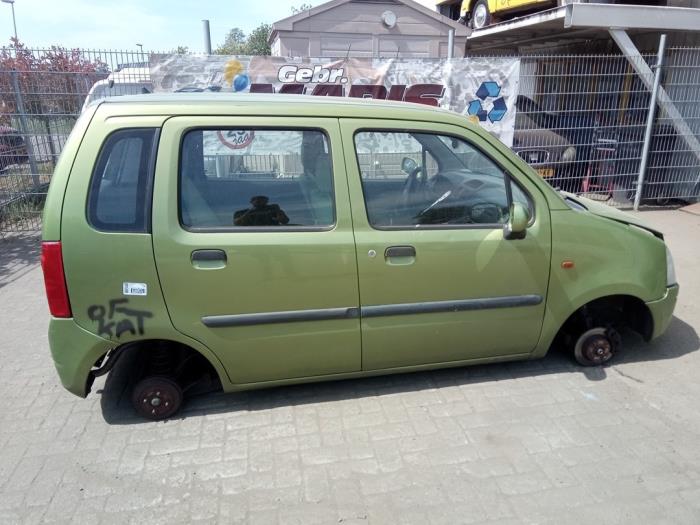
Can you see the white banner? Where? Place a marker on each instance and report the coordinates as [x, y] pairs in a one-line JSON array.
[[482, 89]]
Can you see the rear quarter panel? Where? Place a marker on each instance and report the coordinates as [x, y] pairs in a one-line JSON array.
[[97, 262], [51, 223]]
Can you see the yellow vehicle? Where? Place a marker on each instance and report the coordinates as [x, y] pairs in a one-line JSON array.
[[481, 13]]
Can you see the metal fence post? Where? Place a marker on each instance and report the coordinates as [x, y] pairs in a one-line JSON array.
[[24, 129], [649, 131]]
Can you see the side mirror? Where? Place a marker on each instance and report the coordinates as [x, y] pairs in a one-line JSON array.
[[408, 165], [516, 227]]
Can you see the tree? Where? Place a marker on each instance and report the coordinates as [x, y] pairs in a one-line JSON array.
[[55, 81], [181, 50], [234, 43], [237, 43], [49, 86], [301, 8], [257, 43]]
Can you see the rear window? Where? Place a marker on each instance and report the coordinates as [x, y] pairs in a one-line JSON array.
[[120, 191], [252, 179]]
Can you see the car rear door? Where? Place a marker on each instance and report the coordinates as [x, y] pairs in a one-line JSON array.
[[438, 281], [254, 245]]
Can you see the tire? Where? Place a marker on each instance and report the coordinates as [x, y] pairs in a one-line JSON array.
[[481, 16], [595, 347], [156, 398]]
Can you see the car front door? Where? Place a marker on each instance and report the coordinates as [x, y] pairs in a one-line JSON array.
[[439, 283], [254, 246]]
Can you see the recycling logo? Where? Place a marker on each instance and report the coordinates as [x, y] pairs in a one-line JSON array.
[[488, 105]]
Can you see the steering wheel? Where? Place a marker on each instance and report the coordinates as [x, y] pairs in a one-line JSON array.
[[485, 213]]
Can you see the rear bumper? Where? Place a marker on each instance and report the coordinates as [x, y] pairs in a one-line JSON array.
[[75, 351], [662, 310]]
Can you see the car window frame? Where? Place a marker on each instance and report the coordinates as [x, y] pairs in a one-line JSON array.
[[508, 177], [93, 186], [254, 229]]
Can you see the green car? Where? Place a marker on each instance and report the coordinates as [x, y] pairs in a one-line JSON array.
[[264, 240]]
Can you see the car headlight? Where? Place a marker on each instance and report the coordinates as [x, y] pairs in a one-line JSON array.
[[670, 269], [569, 154]]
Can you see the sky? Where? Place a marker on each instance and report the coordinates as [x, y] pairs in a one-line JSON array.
[[160, 25]]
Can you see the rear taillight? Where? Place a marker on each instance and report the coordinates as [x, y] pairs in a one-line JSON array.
[[55, 279]]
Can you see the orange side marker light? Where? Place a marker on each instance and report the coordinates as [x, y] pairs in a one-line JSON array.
[[567, 265]]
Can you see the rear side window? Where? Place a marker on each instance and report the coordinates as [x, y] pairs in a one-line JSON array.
[[256, 179], [120, 191]]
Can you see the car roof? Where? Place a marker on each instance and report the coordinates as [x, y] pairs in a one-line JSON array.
[[273, 104]]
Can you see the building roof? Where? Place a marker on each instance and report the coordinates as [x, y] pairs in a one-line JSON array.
[[287, 24], [579, 22]]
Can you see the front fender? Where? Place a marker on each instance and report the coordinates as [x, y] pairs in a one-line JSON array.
[[610, 258], [557, 314]]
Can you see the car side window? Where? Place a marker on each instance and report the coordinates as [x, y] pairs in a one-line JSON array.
[[458, 186], [119, 199], [256, 179]]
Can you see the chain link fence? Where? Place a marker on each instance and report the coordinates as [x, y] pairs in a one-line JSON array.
[[42, 92], [580, 122]]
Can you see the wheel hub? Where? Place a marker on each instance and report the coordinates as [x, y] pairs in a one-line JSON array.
[[157, 398], [597, 349], [596, 346], [158, 403]]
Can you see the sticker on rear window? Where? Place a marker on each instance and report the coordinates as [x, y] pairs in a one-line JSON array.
[[236, 138], [134, 289]]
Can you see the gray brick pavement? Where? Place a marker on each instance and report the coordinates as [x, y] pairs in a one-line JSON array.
[[532, 442]]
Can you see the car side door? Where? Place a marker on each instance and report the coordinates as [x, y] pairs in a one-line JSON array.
[[439, 282], [254, 245]]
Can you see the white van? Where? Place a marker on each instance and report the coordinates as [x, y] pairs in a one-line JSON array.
[[127, 81]]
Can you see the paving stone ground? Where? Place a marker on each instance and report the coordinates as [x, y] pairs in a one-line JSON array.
[[531, 442]]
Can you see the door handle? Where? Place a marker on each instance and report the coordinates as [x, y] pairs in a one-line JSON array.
[[399, 251], [208, 259]]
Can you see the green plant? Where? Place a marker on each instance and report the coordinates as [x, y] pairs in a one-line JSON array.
[[237, 43]]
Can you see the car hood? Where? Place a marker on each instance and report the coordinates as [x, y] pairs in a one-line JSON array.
[[529, 135], [603, 210]]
